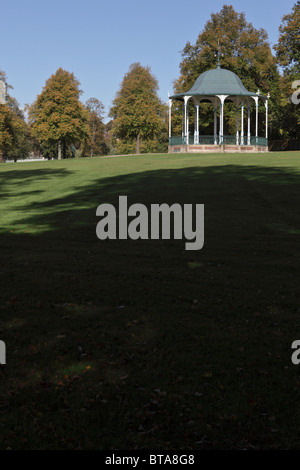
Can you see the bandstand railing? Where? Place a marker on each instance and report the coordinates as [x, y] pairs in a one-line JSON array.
[[212, 140]]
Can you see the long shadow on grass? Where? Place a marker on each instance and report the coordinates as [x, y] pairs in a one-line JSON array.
[[142, 344], [20, 177], [12, 180]]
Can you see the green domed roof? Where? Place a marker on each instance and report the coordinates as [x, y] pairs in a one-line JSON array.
[[217, 81]]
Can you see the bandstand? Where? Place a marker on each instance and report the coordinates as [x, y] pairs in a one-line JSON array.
[[218, 86]]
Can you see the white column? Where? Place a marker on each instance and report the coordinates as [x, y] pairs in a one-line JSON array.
[[198, 122], [222, 100], [215, 126], [185, 114], [187, 123], [196, 133], [256, 116], [266, 105], [249, 131], [170, 122], [183, 120], [242, 124], [237, 125], [186, 119], [220, 124], [256, 120]]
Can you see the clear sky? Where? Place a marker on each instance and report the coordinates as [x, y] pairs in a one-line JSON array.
[[98, 40]]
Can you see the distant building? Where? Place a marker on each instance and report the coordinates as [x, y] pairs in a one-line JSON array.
[[2, 92]]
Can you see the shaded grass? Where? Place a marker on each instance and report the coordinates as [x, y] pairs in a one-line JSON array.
[[177, 349]]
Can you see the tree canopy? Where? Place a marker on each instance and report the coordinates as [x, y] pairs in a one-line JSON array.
[[57, 117], [15, 139], [288, 46], [95, 144], [288, 58], [137, 110], [245, 51]]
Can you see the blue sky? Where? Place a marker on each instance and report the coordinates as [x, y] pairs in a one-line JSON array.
[[98, 40]]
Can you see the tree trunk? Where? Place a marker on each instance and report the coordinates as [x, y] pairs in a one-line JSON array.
[[137, 144], [59, 150]]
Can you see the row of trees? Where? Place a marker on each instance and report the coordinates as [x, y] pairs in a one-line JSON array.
[[59, 125], [62, 124]]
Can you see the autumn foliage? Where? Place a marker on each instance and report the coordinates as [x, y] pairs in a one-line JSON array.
[[15, 139], [57, 116]]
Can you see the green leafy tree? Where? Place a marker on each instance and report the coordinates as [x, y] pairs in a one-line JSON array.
[[5, 129], [57, 117], [21, 141], [288, 46], [137, 111], [95, 144], [245, 51], [288, 58], [15, 141]]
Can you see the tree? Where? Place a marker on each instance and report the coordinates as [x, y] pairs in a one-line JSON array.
[[5, 129], [95, 143], [288, 58], [245, 51], [15, 139], [288, 46], [57, 117], [137, 110]]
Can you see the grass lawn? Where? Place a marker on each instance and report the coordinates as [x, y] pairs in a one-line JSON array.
[[123, 344]]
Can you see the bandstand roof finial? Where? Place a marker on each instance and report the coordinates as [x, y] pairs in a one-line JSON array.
[[218, 54]]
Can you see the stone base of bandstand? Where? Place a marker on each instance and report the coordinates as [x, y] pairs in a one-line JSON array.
[[225, 148]]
